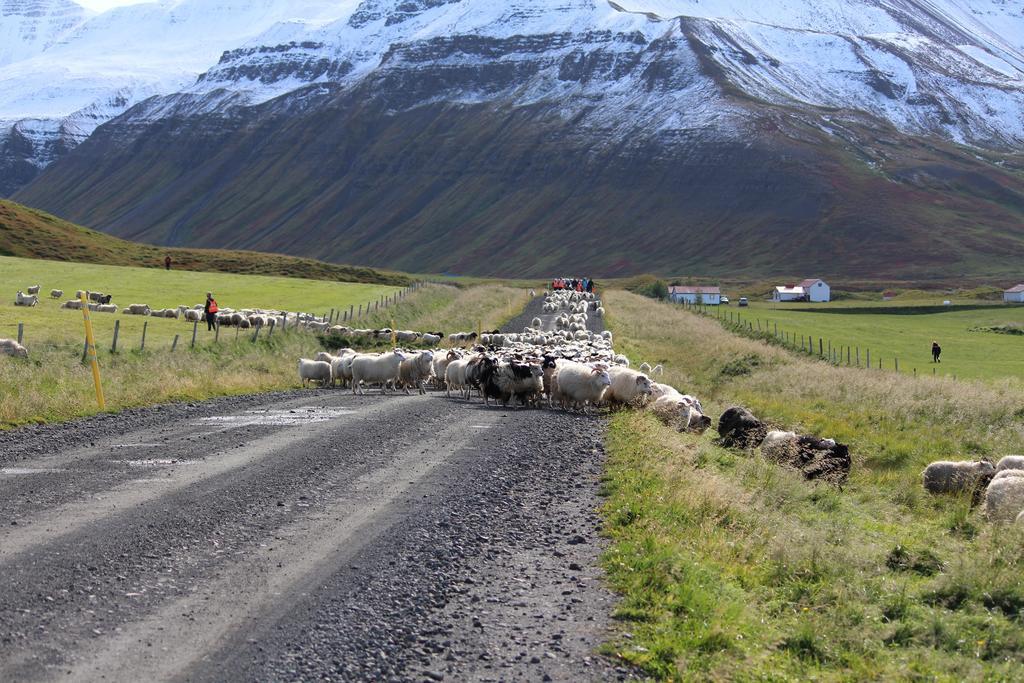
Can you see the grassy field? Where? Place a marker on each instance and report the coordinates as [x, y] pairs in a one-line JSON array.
[[47, 323], [903, 330], [54, 385], [735, 569]]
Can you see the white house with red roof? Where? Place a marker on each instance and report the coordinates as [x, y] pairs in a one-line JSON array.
[[1014, 295]]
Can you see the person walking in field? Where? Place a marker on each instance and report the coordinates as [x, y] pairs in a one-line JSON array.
[[210, 311], [167, 262], [936, 352]]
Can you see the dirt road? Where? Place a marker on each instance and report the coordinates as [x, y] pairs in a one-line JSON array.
[[304, 535]]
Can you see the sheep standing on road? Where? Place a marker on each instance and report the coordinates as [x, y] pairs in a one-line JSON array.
[[577, 385], [415, 370], [318, 371], [381, 370]]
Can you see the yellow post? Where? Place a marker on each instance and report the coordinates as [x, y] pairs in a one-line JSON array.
[[91, 341]]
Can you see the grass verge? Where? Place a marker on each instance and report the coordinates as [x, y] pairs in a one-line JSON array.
[[735, 569]]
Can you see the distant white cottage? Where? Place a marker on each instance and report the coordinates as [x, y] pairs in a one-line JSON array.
[[1014, 295], [712, 296], [812, 289]]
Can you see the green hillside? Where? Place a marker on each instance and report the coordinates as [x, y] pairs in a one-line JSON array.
[[30, 233]]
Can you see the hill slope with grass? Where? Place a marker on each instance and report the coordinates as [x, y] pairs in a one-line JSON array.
[[733, 568], [28, 233]]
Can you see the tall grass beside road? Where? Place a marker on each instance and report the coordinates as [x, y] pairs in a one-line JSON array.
[[733, 568]]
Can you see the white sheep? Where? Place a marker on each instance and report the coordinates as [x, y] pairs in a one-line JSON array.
[[1004, 499], [56, 293], [431, 339], [658, 370], [599, 312], [314, 370], [381, 370], [105, 308], [681, 412], [1006, 474], [620, 359], [407, 336], [455, 375], [137, 309], [415, 370], [577, 385], [1010, 462], [536, 323], [72, 305], [193, 316], [645, 368], [628, 388], [9, 347], [341, 367], [946, 476], [325, 357], [21, 299], [34, 289]]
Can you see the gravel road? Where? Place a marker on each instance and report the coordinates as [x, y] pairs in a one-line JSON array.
[[304, 535]]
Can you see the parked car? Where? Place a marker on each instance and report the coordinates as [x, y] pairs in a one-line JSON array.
[[743, 301], [725, 300]]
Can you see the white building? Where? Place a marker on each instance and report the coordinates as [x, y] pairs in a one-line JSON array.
[[812, 289], [1014, 295], [711, 296]]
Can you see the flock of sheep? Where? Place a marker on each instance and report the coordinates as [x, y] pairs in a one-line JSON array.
[[569, 367], [1001, 486]]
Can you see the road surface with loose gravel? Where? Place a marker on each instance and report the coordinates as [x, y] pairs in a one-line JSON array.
[[305, 535]]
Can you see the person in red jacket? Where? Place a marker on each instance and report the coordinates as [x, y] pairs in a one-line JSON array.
[[210, 311]]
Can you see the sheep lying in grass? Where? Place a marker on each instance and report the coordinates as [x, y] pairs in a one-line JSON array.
[[738, 428], [947, 476], [1010, 462], [318, 371], [72, 305], [22, 299], [104, 308], [1004, 499], [628, 388], [9, 347]]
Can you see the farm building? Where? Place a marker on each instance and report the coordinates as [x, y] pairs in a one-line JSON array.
[[711, 296], [1014, 295], [811, 289]]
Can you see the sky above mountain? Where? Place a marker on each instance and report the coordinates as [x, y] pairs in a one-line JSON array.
[[103, 5]]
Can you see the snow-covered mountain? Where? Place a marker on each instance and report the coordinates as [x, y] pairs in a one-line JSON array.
[[240, 89], [65, 70]]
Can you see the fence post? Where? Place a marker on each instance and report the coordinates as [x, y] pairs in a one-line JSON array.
[[256, 334], [117, 328], [332, 316], [237, 328], [360, 310], [270, 332], [896, 362], [21, 332], [174, 344], [145, 324], [821, 346], [868, 363], [216, 332], [858, 356], [195, 328]]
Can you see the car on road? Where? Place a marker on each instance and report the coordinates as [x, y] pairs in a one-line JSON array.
[[743, 301]]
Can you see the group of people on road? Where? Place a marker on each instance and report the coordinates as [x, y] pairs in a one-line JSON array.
[[573, 284]]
